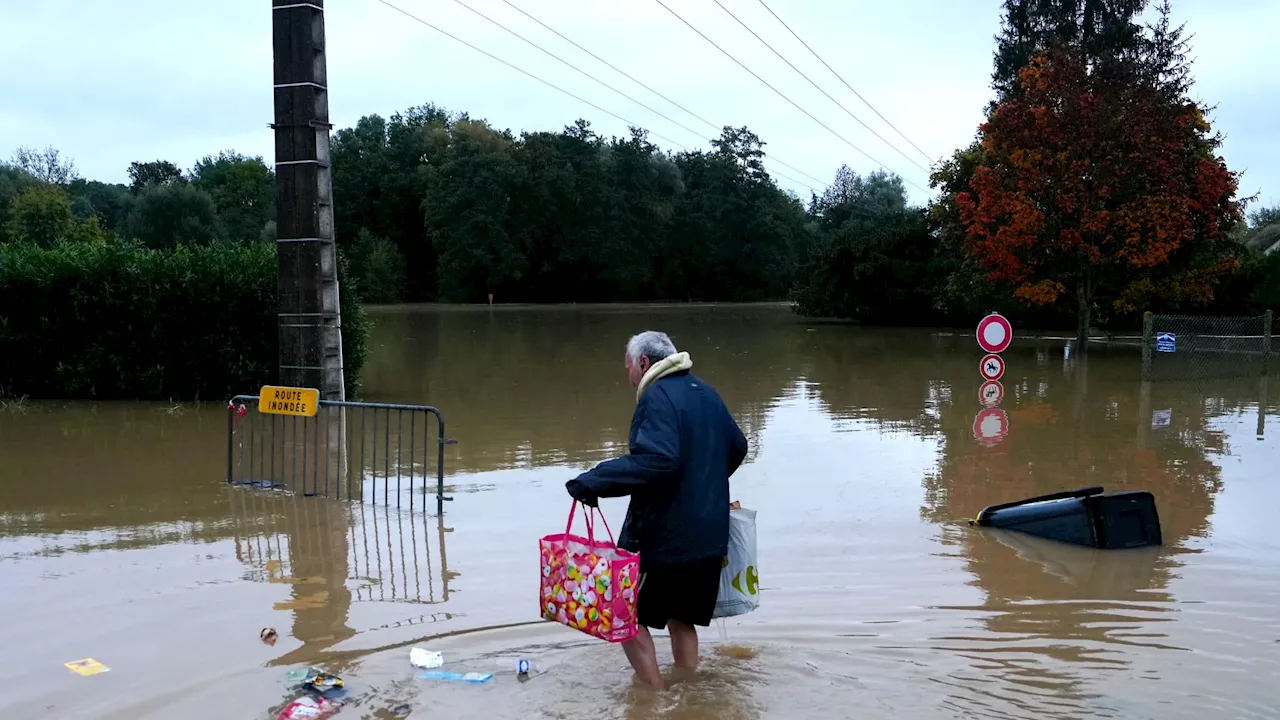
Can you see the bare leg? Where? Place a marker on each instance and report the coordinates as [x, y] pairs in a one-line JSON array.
[[644, 659], [684, 644]]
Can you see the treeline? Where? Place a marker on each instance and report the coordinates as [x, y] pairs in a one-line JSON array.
[[467, 210], [161, 289], [436, 206], [225, 197]]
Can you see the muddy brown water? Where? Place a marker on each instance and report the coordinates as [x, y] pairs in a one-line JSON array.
[[120, 541]]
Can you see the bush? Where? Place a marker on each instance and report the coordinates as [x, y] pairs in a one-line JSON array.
[[164, 216], [118, 320], [355, 327], [378, 267], [40, 215]]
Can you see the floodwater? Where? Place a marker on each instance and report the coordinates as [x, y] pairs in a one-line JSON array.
[[120, 541]]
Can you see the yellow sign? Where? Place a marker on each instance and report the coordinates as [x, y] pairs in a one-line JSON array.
[[87, 667], [302, 402]]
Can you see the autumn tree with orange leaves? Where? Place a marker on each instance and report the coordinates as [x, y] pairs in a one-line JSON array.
[[1100, 182]]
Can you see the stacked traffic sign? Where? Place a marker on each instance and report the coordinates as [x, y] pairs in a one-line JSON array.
[[991, 424]]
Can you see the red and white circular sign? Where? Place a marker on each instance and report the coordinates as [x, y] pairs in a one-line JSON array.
[[994, 333], [991, 393], [991, 367], [990, 426]]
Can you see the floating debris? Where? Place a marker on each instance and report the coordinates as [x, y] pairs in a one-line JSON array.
[[309, 708], [471, 677], [87, 667], [426, 659]]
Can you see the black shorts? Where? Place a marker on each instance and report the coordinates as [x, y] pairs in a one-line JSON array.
[[685, 593]]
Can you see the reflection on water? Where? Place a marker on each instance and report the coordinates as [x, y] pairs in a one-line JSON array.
[[120, 541]]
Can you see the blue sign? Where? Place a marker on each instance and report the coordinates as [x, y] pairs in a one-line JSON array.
[[1166, 342]]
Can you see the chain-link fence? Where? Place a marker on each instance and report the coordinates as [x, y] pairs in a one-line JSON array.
[[1183, 347]]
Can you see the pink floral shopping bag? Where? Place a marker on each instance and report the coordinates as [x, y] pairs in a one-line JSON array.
[[588, 584]]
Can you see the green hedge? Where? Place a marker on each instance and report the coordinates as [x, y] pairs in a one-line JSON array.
[[119, 321]]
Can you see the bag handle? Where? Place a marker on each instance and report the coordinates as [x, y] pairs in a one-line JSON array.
[[588, 515]]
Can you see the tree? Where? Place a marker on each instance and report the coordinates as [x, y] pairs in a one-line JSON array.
[[1104, 30], [875, 259], [1263, 233], [1264, 216], [1091, 184], [109, 202], [471, 193], [160, 172], [1107, 32], [40, 215], [378, 268], [46, 165], [13, 182], [734, 235], [380, 183], [165, 216], [243, 190]]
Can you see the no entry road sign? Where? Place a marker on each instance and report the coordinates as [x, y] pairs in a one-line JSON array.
[[992, 367], [994, 333]]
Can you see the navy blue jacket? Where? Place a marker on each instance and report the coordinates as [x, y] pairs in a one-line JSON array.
[[684, 446]]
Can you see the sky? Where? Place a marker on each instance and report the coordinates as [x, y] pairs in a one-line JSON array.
[[146, 80]]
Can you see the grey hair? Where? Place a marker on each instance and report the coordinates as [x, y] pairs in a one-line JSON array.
[[651, 344]]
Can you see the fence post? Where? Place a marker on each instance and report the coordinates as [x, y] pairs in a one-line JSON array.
[[1144, 413], [1268, 318], [231, 432], [1262, 406], [1148, 340]]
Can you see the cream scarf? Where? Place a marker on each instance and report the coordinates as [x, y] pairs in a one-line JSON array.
[[678, 362]]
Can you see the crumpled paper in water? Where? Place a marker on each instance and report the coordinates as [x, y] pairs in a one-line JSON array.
[[427, 659]]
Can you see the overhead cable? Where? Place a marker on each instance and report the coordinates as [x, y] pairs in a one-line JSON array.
[[800, 72], [846, 84], [780, 94]]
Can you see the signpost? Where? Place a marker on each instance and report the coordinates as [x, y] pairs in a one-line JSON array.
[[990, 426], [991, 393], [992, 367], [994, 333], [1166, 342], [301, 402]]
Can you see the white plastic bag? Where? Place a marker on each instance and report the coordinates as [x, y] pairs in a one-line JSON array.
[[427, 659], [740, 579]]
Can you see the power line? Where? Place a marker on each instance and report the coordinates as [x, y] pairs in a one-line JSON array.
[[855, 92], [553, 86], [579, 70], [777, 91], [615, 68], [655, 92], [793, 168], [451, 36], [819, 88], [793, 180]]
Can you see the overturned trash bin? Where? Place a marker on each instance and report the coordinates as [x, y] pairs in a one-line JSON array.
[[1082, 517]]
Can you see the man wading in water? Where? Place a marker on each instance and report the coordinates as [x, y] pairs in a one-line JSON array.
[[684, 445]]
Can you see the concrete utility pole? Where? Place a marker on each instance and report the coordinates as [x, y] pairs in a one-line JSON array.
[[310, 320]]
